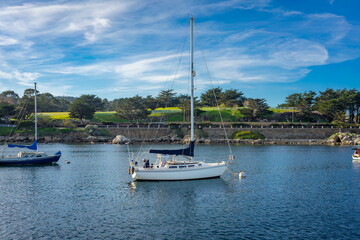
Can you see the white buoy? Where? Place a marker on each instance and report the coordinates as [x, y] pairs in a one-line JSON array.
[[242, 175]]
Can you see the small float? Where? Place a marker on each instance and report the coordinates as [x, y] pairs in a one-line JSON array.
[[356, 154]]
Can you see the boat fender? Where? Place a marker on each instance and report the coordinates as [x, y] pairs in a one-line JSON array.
[[131, 170], [242, 175]]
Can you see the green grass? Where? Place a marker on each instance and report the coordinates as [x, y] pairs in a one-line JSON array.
[[227, 116], [174, 117], [167, 110], [247, 135], [106, 117], [4, 131], [171, 114], [276, 110]]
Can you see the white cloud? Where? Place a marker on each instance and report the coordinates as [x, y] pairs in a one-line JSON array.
[[127, 44], [88, 18], [21, 78], [6, 41]]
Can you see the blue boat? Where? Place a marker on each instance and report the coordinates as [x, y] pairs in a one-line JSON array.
[[27, 157]]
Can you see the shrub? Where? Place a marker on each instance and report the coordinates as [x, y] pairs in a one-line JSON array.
[[247, 135], [67, 123], [107, 123], [45, 121], [26, 124]]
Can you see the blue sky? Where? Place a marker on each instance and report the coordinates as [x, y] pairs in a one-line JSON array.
[[265, 48]]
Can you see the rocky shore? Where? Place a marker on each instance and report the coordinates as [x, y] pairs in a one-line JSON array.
[[347, 139]]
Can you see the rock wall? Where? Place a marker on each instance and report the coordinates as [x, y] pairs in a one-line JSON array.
[[218, 133], [206, 135]]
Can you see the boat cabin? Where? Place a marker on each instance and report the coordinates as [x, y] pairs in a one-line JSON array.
[[31, 154]]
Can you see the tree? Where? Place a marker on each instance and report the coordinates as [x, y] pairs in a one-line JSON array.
[[6, 110], [46, 102], [231, 98], [349, 98], [330, 104], [81, 110], [150, 102], [185, 106], [256, 108], [105, 104], [208, 98], [305, 104], [115, 104], [26, 104], [133, 109], [9, 96], [167, 98], [85, 107]]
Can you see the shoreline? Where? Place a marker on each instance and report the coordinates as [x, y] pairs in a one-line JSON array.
[[279, 136], [109, 140]]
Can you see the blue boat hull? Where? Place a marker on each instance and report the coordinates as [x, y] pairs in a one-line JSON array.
[[30, 161]]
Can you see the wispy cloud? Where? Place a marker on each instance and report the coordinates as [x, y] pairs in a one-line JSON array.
[[73, 47]]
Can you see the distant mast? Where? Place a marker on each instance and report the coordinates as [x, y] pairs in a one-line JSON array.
[[192, 74], [35, 113]]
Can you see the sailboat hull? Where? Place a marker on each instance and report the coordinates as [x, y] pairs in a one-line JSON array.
[[29, 161], [210, 170]]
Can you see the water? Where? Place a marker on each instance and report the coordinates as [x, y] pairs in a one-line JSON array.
[[290, 192]]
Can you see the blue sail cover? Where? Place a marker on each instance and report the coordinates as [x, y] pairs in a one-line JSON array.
[[31, 147], [189, 151]]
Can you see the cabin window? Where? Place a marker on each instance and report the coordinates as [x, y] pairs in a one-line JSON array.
[[182, 166], [172, 166], [199, 164], [191, 165]]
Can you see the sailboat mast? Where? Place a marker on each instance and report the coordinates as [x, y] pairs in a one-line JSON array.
[[192, 73], [35, 113]]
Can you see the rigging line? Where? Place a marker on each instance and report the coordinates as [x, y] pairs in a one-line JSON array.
[[216, 101], [18, 117], [173, 81], [157, 104]]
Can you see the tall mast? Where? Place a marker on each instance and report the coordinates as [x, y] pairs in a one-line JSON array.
[[35, 113], [192, 73]]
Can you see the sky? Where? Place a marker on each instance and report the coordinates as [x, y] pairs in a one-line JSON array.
[[264, 48]]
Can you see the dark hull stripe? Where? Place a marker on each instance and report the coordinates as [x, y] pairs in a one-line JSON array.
[[34, 161]]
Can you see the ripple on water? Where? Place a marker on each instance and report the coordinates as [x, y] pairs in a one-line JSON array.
[[306, 192]]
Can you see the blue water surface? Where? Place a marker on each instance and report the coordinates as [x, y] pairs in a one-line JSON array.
[[290, 192]]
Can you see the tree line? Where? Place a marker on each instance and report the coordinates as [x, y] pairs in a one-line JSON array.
[[331, 105], [342, 105]]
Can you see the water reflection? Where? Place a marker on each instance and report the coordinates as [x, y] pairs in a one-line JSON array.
[[289, 191], [356, 165]]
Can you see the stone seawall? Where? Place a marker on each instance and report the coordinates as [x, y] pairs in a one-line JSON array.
[[218, 133], [204, 135]]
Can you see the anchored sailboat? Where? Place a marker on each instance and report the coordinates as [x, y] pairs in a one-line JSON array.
[[168, 166], [30, 158]]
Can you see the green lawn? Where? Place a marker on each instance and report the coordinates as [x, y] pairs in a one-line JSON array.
[[171, 114], [4, 131]]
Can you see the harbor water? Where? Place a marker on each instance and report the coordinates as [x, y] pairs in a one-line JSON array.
[[290, 192]]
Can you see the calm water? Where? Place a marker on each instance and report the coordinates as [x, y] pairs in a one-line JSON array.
[[290, 192]]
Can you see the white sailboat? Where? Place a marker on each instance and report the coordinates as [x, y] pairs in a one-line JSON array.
[[27, 157], [168, 166]]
